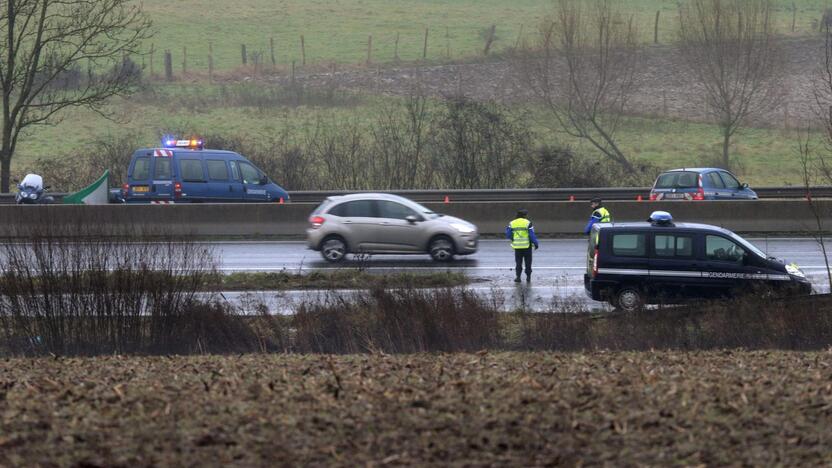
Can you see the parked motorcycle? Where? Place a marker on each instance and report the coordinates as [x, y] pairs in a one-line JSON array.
[[31, 191]]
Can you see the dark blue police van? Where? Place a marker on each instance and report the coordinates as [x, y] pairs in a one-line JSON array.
[[182, 171], [632, 264]]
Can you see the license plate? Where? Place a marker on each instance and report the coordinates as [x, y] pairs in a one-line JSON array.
[[141, 188], [674, 195]]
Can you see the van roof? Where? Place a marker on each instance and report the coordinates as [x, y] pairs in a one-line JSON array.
[[187, 150], [645, 225]]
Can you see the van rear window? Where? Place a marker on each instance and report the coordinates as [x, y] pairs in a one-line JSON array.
[[682, 179], [629, 245], [162, 169], [141, 168]]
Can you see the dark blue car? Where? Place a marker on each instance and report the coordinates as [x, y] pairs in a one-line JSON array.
[[707, 183], [183, 172]]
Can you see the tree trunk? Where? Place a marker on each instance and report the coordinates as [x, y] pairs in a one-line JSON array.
[[726, 142], [5, 170]]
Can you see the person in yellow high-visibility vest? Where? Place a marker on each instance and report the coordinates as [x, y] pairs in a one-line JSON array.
[[599, 215], [521, 233]]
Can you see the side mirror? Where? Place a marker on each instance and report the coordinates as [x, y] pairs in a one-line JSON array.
[[745, 186], [264, 180], [412, 219]]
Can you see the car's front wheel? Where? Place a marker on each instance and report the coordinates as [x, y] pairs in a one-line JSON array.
[[629, 299], [333, 249], [441, 249]]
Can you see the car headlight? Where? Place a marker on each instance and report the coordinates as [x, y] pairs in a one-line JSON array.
[[794, 270], [463, 228]]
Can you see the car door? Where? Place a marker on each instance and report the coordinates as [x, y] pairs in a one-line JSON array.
[[192, 174], [222, 187], [723, 269], [732, 185], [357, 222], [139, 179], [675, 271], [394, 232], [162, 177], [624, 258], [253, 182], [715, 187]]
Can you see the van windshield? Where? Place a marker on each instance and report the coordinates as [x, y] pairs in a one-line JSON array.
[[680, 179]]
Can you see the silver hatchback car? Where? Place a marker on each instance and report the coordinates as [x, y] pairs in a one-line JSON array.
[[379, 223]]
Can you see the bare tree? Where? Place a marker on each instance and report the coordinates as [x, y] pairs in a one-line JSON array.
[[56, 54], [731, 51], [583, 68]]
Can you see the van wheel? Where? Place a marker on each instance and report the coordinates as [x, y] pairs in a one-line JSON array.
[[629, 299], [441, 249], [333, 249]]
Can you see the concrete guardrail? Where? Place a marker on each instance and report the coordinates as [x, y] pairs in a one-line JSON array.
[[290, 220]]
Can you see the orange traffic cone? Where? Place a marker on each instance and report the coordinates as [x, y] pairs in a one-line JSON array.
[[447, 199], [571, 197], [639, 198], [281, 201]]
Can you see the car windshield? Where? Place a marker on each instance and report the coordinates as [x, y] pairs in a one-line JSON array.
[[680, 179], [748, 245]]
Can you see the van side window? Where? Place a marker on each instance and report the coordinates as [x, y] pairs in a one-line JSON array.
[[673, 246], [162, 168], [629, 245], [720, 248], [217, 169], [191, 170], [235, 171], [141, 168], [250, 174]]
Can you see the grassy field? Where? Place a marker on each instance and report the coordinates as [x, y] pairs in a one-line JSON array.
[[338, 31], [765, 156], [513, 409]]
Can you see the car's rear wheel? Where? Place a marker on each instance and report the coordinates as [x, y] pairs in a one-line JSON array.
[[628, 299], [333, 249], [441, 249]]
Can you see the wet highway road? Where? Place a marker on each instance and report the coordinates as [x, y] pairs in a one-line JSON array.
[[558, 265]]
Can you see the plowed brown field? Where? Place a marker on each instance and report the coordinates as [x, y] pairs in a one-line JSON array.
[[715, 408]]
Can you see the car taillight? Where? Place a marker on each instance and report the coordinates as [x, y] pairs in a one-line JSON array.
[[177, 189], [317, 221], [653, 197], [125, 189], [595, 263], [700, 194]]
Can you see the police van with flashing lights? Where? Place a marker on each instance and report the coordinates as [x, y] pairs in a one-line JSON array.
[[182, 171], [659, 261]]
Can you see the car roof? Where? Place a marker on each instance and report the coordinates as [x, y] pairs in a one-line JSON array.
[[643, 225], [188, 150], [695, 169], [369, 196]]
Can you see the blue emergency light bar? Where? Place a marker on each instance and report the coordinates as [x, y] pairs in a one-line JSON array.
[[169, 141]]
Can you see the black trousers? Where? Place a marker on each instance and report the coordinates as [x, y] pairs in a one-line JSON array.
[[521, 255]]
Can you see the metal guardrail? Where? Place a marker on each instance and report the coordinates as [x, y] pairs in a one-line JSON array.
[[556, 194]]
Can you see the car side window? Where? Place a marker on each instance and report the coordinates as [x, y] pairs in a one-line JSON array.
[[673, 246], [629, 245], [191, 170], [250, 174], [354, 209], [722, 249], [715, 180], [393, 210], [141, 169], [162, 168], [730, 181], [217, 169]]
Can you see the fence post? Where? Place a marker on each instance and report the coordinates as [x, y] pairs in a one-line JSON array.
[[396, 49], [184, 61], [490, 39], [293, 72], [152, 51], [168, 66], [447, 42], [210, 62], [369, 49], [425, 48], [302, 51], [243, 54], [271, 48], [794, 15], [656, 28]]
